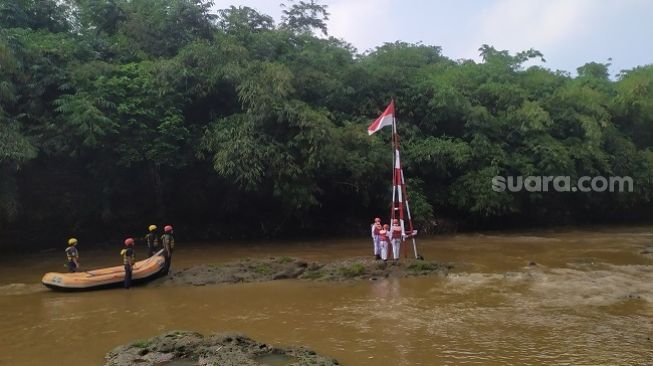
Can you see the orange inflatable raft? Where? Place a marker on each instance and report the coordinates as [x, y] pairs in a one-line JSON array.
[[142, 271]]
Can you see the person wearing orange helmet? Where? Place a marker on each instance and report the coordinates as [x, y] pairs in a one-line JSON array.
[[168, 242], [376, 228], [128, 259], [384, 240], [395, 238]]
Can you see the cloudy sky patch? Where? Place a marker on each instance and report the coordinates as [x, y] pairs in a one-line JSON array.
[[568, 32]]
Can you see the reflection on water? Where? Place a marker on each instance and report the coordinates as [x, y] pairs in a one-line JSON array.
[[587, 301]]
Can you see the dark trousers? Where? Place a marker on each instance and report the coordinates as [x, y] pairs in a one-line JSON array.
[[150, 251], [168, 262], [72, 267], [128, 275], [167, 255]]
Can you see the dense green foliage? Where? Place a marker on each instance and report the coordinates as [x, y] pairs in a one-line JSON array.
[[115, 114]]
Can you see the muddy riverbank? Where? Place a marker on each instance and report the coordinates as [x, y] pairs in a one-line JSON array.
[[191, 348], [281, 268]]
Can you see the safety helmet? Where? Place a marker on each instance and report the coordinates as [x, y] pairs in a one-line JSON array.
[[151, 227], [129, 242], [377, 219], [167, 229], [72, 241]]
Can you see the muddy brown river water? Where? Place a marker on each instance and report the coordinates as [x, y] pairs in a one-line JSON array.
[[588, 301]]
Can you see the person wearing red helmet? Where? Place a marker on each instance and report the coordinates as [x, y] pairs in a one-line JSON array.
[[395, 238], [376, 227], [384, 240], [128, 259], [168, 242]]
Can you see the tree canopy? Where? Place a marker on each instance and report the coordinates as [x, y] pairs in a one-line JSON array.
[[115, 114]]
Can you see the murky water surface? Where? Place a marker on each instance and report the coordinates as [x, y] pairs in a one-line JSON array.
[[588, 301]]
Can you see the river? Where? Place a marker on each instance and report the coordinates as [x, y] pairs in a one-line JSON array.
[[588, 301]]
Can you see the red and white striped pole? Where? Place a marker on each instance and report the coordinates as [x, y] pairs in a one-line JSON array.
[[399, 195]]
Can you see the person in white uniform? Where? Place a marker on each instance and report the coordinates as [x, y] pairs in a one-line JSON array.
[[384, 241], [376, 227], [395, 238]]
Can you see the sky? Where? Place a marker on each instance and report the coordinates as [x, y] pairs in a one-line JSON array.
[[568, 32]]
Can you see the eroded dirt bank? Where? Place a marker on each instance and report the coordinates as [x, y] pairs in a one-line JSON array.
[[277, 268]]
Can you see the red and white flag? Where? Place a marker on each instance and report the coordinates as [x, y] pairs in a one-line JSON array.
[[384, 119]]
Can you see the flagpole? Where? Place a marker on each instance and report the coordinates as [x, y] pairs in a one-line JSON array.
[[399, 194], [394, 175], [399, 189], [394, 162]]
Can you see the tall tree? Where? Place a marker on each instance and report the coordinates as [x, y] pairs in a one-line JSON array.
[[305, 16]]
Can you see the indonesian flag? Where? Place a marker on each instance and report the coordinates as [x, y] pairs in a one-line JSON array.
[[384, 119]]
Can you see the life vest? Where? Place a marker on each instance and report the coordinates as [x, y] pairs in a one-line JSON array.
[[152, 240], [168, 241], [383, 235], [71, 253], [377, 229], [127, 255], [396, 232]]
